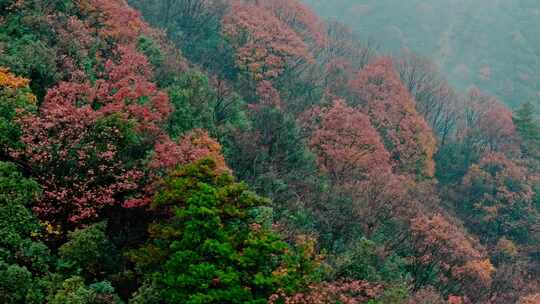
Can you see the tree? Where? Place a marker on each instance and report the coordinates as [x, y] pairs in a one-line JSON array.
[[193, 146], [497, 202], [210, 249], [487, 125], [24, 261], [528, 129], [193, 25], [351, 152], [350, 292], [205, 103], [406, 135], [15, 98], [455, 259], [530, 299], [74, 290], [299, 17], [265, 45], [348, 148], [88, 252], [87, 143], [435, 100]]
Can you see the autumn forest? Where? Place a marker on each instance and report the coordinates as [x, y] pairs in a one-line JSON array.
[[250, 151]]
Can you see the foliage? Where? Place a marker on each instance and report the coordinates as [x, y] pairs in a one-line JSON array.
[[23, 261], [119, 142], [209, 251], [498, 200], [88, 252], [15, 97], [390, 107]]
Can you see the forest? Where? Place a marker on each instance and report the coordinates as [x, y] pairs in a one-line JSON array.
[[251, 151]]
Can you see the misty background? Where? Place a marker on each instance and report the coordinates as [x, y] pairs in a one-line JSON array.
[[491, 44]]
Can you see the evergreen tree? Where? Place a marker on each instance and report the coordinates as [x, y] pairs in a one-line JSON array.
[[529, 130]]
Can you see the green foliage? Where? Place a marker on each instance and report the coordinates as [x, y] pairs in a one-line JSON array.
[[528, 129], [32, 58], [193, 99], [273, 158], [211, 250], [11, 102], [151, 50], [74, 291], [198, 105], [366, 261], [22, 260], [88, 252]]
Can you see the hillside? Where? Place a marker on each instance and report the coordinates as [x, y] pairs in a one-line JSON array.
[[489, 44], [239, 151]]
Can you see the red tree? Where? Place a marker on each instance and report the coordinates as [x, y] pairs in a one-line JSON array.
[[392, 111], [350, 150], [347, 147], [265, 45], [462, 262], [117, 20], [487, 125], [299, 17], [87, 143], [168, 155], [193, 146]]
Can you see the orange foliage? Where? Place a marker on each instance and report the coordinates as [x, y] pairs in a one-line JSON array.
[[530, 299], [11, 81]]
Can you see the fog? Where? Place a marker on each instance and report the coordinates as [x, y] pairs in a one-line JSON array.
[[489, 44]]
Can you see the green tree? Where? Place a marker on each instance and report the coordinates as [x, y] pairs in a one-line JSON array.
[[88, 252], [529, 130], [74, 291], [23, 262], [212, 250]]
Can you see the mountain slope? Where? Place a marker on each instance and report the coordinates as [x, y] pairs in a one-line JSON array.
[[489, 44]]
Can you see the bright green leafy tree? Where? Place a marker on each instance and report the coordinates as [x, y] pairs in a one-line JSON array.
[[212, 249]]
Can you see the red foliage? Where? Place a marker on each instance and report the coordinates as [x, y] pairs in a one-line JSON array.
[[127, 87], [455, 300], [117, 20], [444, 244], [193, 146], [301, 18], [347, 146], [73, 144], [350, 150], [487, 124], [78, 166], [265, 45], [168, 155], [346, 292], [392, 111], [268, 95]]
